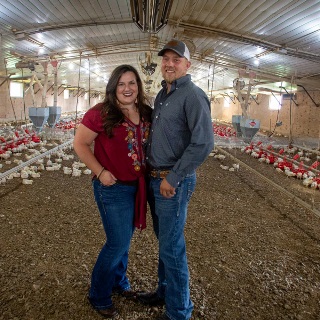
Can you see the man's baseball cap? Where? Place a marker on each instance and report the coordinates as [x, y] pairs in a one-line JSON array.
[[178, 47]]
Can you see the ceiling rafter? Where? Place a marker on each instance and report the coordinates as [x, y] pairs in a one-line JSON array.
[[49, 28], [248, 40]]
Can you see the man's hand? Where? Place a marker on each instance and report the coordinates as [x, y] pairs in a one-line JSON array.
[[166, 190]]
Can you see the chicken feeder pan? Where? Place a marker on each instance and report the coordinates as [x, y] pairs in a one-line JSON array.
[[249, 127], [54, 115], [38, 116], [236, 124]]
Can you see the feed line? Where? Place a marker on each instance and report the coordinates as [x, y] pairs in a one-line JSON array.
[[275, 185], [36, 158]]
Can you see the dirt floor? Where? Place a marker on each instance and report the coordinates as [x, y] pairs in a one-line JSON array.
[[253, 252]]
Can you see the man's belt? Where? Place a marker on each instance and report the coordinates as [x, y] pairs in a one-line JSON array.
[[159, 174]]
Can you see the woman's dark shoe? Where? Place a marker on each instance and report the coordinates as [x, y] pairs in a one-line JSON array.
[[150, 298], [110, 312]]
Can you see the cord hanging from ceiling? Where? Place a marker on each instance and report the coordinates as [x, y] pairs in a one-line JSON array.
[[8, 84], [76, 118]]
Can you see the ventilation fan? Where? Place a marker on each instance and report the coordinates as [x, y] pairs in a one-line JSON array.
[[238, 83]]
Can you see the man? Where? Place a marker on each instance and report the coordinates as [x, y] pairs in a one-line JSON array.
[[181, 139]]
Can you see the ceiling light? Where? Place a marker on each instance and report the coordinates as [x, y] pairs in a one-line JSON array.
[[41, 49], [145, 14]]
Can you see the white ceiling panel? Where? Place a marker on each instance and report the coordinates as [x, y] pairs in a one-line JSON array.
[[276, 40]]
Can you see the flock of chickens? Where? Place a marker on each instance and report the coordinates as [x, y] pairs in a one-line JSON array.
[[28, 154], [292, 161]]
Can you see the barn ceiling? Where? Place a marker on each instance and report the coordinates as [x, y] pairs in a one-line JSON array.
[[272, 44]]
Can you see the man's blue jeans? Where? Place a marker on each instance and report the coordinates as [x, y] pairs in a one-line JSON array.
[[169, 218], [116, 207]]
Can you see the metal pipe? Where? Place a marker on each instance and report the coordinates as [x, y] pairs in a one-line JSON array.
[[316, 104], [45, 84], [71, 25], [254, 99], [154, 17], [36, 158], [55, 89], [247, 39], [230, 98], [145, 9]]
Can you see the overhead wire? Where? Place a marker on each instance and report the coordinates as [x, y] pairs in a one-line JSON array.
[[8, 84], [89, 98], [24, 102], [290, 118], [76, 118], [212, 78], [278, 113]]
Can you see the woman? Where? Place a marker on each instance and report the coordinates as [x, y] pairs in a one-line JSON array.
[[119, 128]]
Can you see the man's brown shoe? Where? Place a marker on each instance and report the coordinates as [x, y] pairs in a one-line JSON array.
[[128, 294]]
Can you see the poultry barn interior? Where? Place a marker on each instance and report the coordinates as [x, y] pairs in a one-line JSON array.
[[253, 229]]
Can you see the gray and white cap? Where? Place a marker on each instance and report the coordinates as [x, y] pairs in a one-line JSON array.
[[178, 47]]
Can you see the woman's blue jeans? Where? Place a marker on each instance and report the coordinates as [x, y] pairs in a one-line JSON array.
[[169, 218], [116, 207]]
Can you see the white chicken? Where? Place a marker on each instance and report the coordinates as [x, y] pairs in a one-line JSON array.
[[24, 174], [35, 174], [76, 172], [26, 181], [220, 156], [289, 173], [236, 166], [67, 170], [307, 182]]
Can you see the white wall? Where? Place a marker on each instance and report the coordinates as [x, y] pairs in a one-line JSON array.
[[12, 109]]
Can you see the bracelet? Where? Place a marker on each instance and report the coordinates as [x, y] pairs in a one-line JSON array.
[[99, 174]]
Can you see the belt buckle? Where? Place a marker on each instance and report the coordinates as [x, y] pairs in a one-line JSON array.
[[159, 174], [155, 174]]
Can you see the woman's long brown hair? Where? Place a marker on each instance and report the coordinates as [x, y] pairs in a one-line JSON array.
[[110, 113]]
